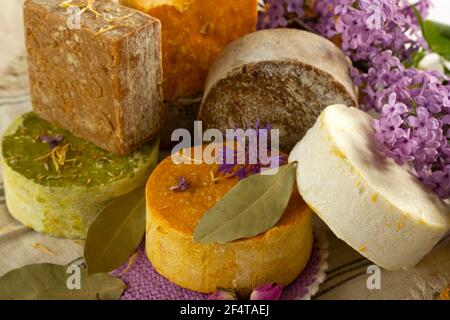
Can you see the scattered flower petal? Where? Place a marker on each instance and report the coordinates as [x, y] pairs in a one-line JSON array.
[[270, 291], [243, 162], [182, 185], [52, 141]]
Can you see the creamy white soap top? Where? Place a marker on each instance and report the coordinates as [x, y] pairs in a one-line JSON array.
[[354, 137], [376, 206]]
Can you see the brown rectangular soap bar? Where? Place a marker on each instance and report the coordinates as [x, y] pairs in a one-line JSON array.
[[95, 69]]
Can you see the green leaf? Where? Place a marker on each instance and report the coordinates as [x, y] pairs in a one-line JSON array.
[[251, 207], [415, 59], [438, 37], [446, 70], [49, 282], [436, 34], [419, 18], [115, 233]]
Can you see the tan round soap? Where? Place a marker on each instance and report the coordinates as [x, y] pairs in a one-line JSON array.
[[278, 255]]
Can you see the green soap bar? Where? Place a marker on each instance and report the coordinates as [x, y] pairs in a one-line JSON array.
[[86, 164], [59, 191]]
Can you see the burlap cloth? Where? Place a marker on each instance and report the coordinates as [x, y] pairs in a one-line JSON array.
[[347, 274]]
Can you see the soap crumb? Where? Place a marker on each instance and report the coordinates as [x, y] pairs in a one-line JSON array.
[[338, 153], [399, 226], [43, 248], [5, 229], [374, 197], [79, 242]]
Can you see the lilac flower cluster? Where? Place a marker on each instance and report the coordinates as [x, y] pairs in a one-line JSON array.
[[367, 28], [247, 161], [382, 38], [277, 13], [413, 127]]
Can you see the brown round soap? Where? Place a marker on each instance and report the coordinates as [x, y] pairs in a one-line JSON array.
[[285, 77]]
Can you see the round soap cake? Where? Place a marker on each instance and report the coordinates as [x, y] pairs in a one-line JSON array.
[[277, 256], [56, 183]]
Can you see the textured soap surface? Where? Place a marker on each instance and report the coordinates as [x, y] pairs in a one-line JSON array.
[[194, 32], [277, 255], [84, 165], [179, 115], [59, 191], [103, 85], [367, 200], [285, 77]]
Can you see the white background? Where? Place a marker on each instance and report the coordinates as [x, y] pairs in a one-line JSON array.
[[441, 11]]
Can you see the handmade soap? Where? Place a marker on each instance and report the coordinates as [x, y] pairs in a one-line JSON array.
[[376, 206], [285, 77], [178, 115], [194, 32], [278, 255], [101, 79], [56, 183]]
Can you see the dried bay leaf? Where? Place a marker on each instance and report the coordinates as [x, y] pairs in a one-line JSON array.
[[49, 282], [253, 206], [115, 233]]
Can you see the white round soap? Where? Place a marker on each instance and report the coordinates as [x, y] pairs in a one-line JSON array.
[[376, 206]]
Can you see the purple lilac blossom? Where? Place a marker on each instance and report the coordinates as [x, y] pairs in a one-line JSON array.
[[414, 105], [182, 185], [52, 141], [242, 169], [275, 13], [270, 291]]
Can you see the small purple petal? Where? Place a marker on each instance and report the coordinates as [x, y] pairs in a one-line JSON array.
[[242, 164], [52, 141], [270, 291], [182, 185]]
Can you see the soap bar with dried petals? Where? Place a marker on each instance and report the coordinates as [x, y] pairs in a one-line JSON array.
[[173, 212], [95, 69], [56, 183]]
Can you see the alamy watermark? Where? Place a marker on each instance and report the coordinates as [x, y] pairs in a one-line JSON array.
[[375, 17], [245, 147], [73, 281], [374, 280]]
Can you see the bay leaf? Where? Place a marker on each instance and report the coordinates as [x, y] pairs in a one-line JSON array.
[[253, 206], [115, 233], [49, 282]]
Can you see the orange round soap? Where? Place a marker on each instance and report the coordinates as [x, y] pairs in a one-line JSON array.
[[276, 256]]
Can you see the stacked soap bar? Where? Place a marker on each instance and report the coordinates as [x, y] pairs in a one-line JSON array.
[[95, 69], [57, 183], [194, 32]]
